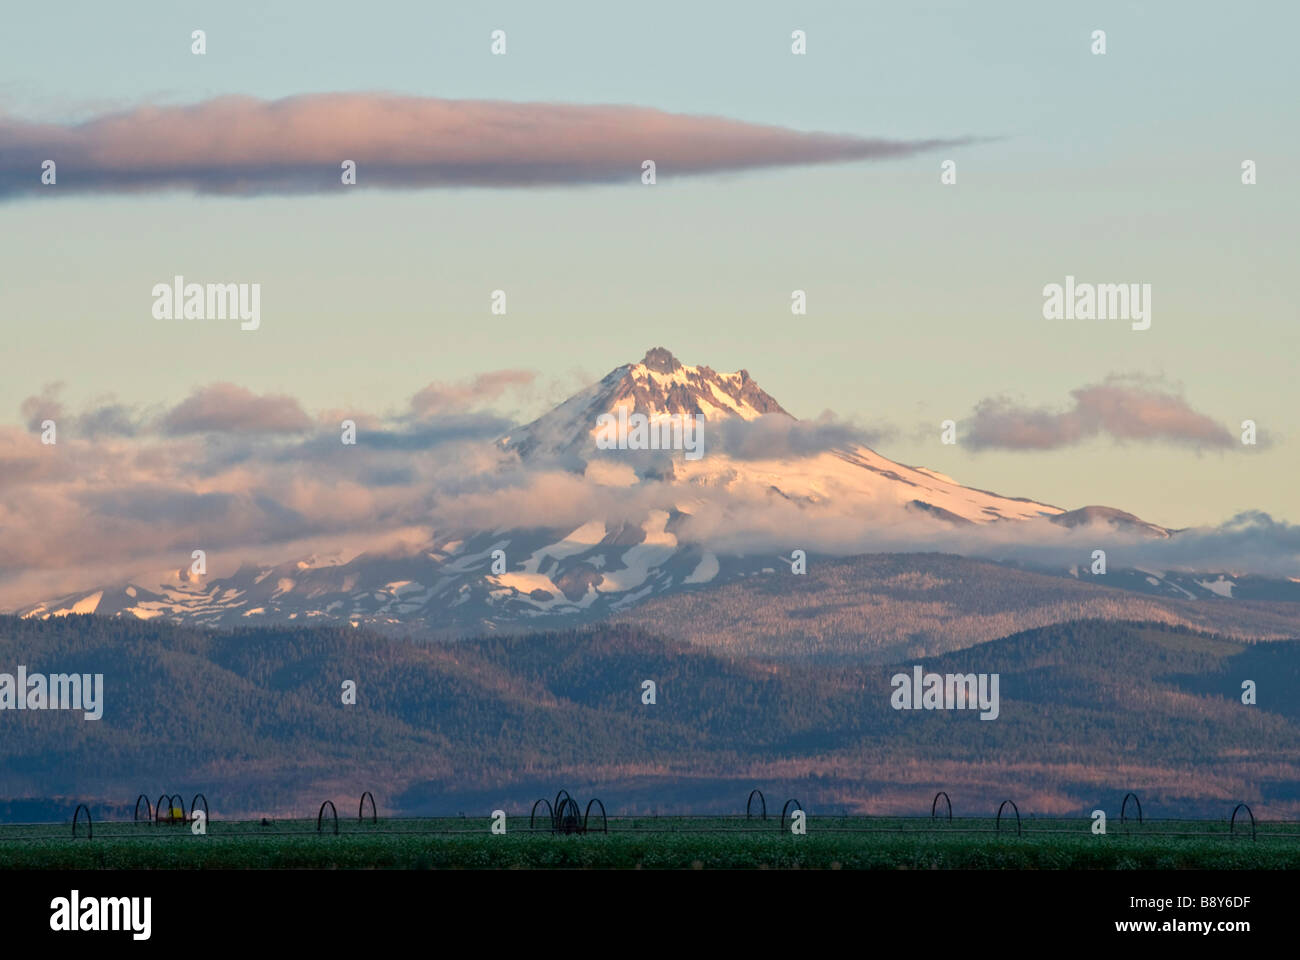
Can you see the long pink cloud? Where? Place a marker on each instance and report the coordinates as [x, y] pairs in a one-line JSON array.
[[239, 145], [1123, 407]]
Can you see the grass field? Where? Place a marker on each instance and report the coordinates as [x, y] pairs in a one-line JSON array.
[[677, 843]]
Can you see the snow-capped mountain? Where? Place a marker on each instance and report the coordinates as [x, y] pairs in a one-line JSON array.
[[740, 422], [469, 580]]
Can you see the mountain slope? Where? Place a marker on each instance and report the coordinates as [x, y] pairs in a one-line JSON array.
[[873, 608], [254, 719]]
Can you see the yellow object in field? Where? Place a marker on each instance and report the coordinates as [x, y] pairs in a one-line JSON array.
[[178, 813]]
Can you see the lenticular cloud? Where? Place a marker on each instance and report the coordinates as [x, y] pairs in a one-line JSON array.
[[243, 145]]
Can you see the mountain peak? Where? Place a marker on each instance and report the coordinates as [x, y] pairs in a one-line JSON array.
[[660, 361], [659, 385]]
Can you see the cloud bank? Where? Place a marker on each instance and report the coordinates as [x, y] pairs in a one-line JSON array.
[[243, 145], [130, 491], [1123, 407]]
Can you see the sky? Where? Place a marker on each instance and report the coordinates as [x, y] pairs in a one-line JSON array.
[[925, 300]]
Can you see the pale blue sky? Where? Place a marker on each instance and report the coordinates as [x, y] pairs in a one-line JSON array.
[[923, 299]]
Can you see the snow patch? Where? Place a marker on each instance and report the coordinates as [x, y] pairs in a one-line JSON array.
[[87, 604], [705, 570], [1221, 586]]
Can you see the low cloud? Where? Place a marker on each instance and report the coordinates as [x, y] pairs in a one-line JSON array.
[[775, 436], [243, 145], [109, 420], [441, 398], [1123, 407], [45, 405], [227, 408], [245, 476], [106, 419]]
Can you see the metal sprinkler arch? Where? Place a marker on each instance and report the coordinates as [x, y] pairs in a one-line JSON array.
[[786, 808], [567, 817], [90, 825], [604, 820], [333, 810], [559, 799], [173, 801], [194, 807], [148, 808], [361, 808], [550, 812], [1124, 806], [1232, 824], [1013, 807], [750, 802], [934, 804]]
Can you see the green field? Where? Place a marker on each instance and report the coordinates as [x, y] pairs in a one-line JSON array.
[[678, 843]]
